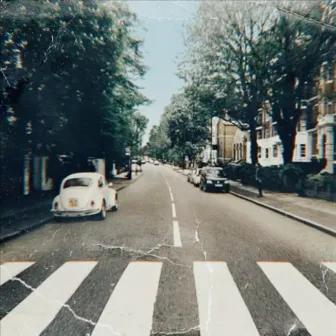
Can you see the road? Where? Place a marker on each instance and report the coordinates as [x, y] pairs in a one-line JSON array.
[[172, 261]]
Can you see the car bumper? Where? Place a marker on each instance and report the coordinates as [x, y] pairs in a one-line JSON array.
[[75, 213], [219, 187]]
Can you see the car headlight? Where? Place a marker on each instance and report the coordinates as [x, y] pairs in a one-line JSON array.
[[209, 181]]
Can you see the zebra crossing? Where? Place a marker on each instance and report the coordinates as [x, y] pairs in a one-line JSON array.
[[130, 308]]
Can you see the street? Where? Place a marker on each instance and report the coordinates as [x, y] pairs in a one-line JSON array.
[[173, 260]]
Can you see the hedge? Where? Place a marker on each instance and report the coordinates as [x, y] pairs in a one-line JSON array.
[[286, 178], [322, 182]]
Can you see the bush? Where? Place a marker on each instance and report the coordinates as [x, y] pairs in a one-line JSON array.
[[321, 182], [271, 177], [291, 176]]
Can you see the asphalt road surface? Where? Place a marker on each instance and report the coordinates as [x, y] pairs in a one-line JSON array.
[[172, 261]]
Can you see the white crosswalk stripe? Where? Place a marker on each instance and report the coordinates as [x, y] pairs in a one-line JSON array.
[[315, 311], [10, 270], [131, 306], [220, 304], [331, 265], [34, 313]]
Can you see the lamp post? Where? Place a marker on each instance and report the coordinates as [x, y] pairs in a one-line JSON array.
[[128, 153]]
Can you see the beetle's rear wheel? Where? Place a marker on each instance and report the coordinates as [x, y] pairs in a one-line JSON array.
[[102, 213]]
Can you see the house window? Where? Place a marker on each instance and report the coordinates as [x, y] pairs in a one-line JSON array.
[[259, 134], [329, 108], [325, 107], [275, 133], [259, 152], [329, 73], [266, 153], [314, 144], [303, 150], [267, 132], [275, 151]]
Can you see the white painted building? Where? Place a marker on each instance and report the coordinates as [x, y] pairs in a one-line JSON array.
[[270, 145]]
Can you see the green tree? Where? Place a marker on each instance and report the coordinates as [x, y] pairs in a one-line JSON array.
[[227, 61], [304, 37]]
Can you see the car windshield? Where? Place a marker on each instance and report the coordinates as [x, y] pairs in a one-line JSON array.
[[215, 173], [78, 182]]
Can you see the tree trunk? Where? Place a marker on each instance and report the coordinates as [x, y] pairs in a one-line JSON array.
[[288, 143], [253, 141]]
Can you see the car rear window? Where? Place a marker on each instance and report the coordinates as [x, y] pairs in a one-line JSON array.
[[78, 182], [215, 172]]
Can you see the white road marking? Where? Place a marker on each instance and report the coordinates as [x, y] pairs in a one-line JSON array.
[[34, 313], [173, 210], [177, 236], [10, 270], [129, 310], [222, 310], [171, 197], [315, 311], [331, 265]]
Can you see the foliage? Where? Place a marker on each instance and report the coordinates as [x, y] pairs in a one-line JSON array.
[[321, 182], [241, 55], [227, 61], [304, 36], [182, 130], [68, 69]]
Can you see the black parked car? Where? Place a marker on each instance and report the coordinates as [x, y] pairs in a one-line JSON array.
[[214, 178]]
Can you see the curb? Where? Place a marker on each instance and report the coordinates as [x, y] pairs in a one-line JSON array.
[[7, 217], [288, 214], [44, 221], [25, 229]]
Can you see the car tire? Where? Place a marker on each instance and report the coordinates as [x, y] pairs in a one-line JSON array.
[[102, 214], [115, 208]]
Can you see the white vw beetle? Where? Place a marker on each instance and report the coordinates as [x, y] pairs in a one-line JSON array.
[[85, 194]]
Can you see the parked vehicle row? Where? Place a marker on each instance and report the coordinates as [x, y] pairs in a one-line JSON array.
[[208, 179]]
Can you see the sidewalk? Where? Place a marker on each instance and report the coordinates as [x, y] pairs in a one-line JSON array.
[[34, 211], [317, 213]]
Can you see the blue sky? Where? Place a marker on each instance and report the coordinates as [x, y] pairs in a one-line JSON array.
[[162, 28]]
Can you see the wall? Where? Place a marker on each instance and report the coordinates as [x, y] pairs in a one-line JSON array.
[[225, 132], [302, 138]]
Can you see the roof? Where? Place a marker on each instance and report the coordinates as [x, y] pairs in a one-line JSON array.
[[85, 174]]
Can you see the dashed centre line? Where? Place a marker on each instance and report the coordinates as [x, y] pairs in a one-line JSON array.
[[174, 210], [177, 236], [176, 228]]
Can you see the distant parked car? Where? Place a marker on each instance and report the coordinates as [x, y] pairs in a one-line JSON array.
[[214, 178], [189, 176], [186, 172], [196, 177], [156, 162], [85, 194]]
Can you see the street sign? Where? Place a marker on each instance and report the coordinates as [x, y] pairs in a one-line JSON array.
[[128, 151]]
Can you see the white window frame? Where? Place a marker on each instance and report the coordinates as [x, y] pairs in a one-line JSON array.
[[275, 151], [329, 109], [303, 150]]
